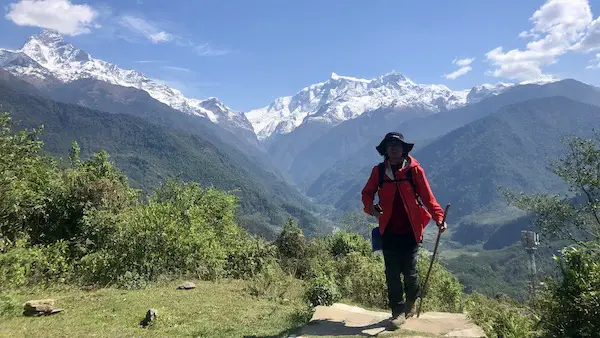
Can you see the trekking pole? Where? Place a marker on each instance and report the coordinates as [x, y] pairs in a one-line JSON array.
[[437, 241]]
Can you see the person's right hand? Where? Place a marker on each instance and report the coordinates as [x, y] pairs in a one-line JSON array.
[[375, 213]]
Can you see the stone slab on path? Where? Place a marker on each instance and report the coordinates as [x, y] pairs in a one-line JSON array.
[[345, 320]]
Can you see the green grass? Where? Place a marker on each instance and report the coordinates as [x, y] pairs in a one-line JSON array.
[[213, 309]]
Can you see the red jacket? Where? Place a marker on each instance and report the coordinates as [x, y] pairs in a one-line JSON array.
[[419, 216]]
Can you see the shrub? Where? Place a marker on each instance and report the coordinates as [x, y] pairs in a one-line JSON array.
[[570, 304], [322, 291], [444, 291], [39, 265], [500, 318], [320, 262], [362, 279], [292, 247], [191, 233], [343, 243], [271, 283], [9, 305], [249, 257]]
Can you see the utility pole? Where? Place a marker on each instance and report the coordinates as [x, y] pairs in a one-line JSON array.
[[530, 241]]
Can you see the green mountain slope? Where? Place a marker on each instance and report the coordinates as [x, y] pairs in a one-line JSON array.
[[149, 153], [333, 184], [511, 148], [502, 271]]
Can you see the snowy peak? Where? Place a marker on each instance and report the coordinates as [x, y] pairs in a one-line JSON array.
[[48, 37], [47, 54], [23, 65], [341, 98], [479, 93], [50, 50]]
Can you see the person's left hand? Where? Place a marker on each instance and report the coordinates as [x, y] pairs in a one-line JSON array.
[[442, 227]]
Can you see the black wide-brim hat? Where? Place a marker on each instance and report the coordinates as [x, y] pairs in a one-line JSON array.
[[381, 148]]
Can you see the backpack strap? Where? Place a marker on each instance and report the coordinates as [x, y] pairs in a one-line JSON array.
[[409, 178]]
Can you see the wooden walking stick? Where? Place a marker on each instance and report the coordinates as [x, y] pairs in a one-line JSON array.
[[437, 241]]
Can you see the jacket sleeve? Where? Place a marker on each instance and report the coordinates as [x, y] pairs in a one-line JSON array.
[[424, 191], [368, 192]]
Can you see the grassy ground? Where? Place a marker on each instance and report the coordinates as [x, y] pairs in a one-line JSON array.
[[223, 309]]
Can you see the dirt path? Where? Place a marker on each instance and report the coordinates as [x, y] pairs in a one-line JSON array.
[[344, 320]]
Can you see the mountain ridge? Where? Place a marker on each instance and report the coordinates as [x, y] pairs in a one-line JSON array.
[[329, 186], [186, 154], [47, 53], [342, 98]]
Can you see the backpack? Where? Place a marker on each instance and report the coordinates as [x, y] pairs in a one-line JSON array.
[[409, 177]]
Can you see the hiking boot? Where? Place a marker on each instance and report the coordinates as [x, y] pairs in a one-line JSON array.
[[411, 308], [395, 322]]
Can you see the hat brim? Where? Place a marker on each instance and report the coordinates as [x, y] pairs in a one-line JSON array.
[[381, 148]]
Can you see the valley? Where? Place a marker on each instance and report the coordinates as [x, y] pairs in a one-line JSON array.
[[308, 155]]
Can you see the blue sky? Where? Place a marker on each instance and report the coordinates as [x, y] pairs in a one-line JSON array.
[[247, 53]]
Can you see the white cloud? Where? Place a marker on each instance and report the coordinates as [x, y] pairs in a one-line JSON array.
[[465, 67], [206, 49], [160, 37], [595, 63], [463, 62], [559, 27], [60, 15], [145, 28], [179, 69], [150, 31], [591, 40], [460, 72]]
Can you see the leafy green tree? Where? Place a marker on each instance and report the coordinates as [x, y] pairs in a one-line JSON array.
[[26, 179], [576, 219], [292, 247], [569, 304]]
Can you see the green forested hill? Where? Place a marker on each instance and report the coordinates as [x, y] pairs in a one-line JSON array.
[[511, 148], [149, 153]]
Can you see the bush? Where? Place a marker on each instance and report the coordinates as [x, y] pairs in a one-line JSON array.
[[322, 291], [9, 305], [570, 304], [500, 318], [250, 257], [320, 262], [444, 291], [272, 283], [343, 243], [362, 279], [179, 236], [292, 247], [38, 265]]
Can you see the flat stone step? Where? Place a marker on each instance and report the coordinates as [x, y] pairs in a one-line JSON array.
[[341, 319]]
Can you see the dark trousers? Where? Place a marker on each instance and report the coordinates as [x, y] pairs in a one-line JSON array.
[[400, 255]]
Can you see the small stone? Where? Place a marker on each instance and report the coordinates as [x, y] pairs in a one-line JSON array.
[[186, 286], [150, 317]]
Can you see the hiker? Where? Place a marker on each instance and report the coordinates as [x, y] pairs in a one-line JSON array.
[[402, 190]]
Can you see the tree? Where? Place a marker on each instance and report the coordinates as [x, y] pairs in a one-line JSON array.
[[569, 304], [577, 217]]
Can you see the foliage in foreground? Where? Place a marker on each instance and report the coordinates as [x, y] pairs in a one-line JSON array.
[[501, 318], [342, 266], [84, 224]]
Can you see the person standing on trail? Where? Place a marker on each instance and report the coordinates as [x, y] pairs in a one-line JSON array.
[[402, 189]]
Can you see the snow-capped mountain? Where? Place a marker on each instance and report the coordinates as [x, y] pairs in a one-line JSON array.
[[47, 55], [479, 93], [342, 98]]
